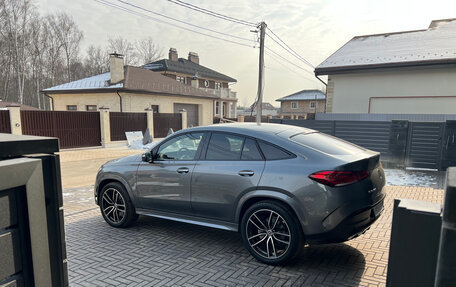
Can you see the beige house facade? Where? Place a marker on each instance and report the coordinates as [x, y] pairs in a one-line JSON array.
[[138, 90], [411, 72], [302, 103]]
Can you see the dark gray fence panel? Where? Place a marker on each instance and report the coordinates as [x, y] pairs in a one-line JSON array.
[[424, 145], [371, 135], [326, 127], [385, 117]]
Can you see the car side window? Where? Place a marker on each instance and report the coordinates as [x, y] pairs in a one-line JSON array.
[[224, 147], [183, 147], [250, 151], [272, 152]]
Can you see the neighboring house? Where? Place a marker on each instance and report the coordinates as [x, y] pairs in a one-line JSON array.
[[191, 73], [267, 110], [411, 72], [133, 89], [5, 105], [302, 103]]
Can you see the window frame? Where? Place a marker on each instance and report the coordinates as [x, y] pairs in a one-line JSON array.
[[87, 108], [180, 78], [75, 106], [296, 105], [198, 151], [153, 110], [314, 104]]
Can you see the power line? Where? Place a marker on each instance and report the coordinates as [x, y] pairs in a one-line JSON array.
[[183, 22], [212, 13], [277, 60], [293, 52], [288, 61], [107, 3]]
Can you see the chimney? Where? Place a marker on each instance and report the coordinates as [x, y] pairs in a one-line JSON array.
[[116, 68], [173, 54], [193, 57]]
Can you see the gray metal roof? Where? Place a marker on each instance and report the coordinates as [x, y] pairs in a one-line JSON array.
[[435, 45], [100, 81], [304, 95], [185, 66]]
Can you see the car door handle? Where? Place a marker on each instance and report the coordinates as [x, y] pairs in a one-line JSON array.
[[246, 173], [182, 170]]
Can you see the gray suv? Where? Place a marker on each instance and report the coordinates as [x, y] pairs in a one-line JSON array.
[[280, 186]]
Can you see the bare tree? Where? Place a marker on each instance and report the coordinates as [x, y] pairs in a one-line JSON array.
[[148, 51], [122, 46], [70, 37], [96, 61]]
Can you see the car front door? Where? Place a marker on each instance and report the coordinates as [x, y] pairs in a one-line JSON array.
[[164, 184], [231, 166]]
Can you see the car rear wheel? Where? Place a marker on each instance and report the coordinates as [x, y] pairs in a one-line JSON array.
[[116, 206], [271, 232]]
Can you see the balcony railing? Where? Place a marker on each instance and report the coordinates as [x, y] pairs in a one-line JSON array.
[[221, 93]]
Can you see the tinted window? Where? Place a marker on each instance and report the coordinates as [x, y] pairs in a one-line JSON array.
[[250, 151], [183, 147], [271, 152], [224, 147], [327, 144]]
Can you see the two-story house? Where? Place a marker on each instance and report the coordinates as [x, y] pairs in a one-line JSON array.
[[190, 72], [301, 103]]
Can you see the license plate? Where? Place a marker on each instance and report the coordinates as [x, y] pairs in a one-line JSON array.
[[378, 209]]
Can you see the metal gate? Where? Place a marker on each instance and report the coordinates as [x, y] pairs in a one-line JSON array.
[[73, 129], [5, 125], [126, 122], [449, 145], [424, 145], [164, 121]]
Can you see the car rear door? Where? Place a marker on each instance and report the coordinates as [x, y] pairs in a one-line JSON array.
[[230, 166]]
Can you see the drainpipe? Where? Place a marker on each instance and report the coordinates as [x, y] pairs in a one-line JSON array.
[[52, 100], [326, 93], [120, 100]]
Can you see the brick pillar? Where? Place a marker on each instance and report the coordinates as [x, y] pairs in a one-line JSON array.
[[150, 122], [184, 119], [240, 118], [105, 127], [15, 119]]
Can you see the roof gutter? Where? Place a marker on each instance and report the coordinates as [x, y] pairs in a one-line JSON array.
[[52, 100], [326, 93], [120, 99]]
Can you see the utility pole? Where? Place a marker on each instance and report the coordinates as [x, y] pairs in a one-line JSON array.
[[261, 73]]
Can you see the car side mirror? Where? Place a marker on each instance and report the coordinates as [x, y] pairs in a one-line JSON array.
[[147, 157]]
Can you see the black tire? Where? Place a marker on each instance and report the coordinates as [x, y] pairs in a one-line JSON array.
[[116, 206], [271, 232]]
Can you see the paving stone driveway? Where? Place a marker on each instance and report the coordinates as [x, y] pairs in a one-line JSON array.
[[156, 252]]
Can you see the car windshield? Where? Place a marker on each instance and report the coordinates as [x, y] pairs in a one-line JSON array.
[[326, 143]]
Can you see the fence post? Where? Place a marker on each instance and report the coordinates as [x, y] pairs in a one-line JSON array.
[[184, 118], [105, 127], [150, 122], [15, 119], [240, 118], [446, 260]]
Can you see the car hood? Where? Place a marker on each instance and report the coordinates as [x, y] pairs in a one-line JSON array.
[[124, 160]]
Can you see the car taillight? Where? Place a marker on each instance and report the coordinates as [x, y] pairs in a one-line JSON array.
[[338, 178]]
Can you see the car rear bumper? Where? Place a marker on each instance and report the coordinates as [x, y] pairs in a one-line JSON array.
[[352, 226]]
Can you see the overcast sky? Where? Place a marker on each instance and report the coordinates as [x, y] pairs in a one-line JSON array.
[[314, 29]]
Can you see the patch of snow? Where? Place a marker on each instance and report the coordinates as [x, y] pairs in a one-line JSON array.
[[402, 177]]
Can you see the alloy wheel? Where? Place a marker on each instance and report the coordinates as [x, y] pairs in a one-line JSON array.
[[113, 205], [268, 233]]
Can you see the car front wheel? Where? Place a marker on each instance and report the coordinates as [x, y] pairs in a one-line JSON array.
[[116, 206], [271, 232]]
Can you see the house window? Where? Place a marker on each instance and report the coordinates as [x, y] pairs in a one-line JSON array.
[[180, 79], [218, 85], [155, 109], [72, 108], [313, 105], [206, 83], [217, 107], [91, 108], [294, 105]]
